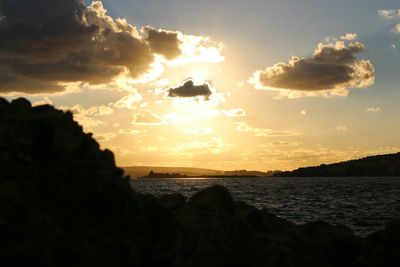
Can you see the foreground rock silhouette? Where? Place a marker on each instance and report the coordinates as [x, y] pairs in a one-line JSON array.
[[63, 202]]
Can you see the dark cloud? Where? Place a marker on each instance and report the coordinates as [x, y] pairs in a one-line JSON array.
[[42, 29], [25, 85], [332, 66], [45, 42], [189, 89], [163, 42]]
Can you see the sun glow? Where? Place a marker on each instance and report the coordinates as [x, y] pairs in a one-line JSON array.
[[198, 76]]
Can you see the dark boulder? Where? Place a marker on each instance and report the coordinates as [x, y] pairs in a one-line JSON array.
[[172, 201]]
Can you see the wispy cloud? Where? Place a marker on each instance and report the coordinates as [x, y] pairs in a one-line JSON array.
[[349, 36], [373, 109], [237, 112], [262, 132], [198, 131], [391, 14], [147, 118]]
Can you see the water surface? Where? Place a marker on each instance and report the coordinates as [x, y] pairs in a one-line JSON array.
[[363, 204]]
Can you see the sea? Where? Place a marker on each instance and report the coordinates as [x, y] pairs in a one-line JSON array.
[[365, 205]]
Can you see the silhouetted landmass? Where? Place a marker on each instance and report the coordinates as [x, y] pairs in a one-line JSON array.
[[63, 202], [250, 173], [140, 171], [143, 171], [381, 165], [155, 175], [229, 174]]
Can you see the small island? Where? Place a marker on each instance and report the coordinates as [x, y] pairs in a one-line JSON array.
[[155, 175]]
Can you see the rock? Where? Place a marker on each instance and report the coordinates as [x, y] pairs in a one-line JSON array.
[[215, 199], [62, 200], [172, 201], [383, 247], [21, 104], [334, 244]]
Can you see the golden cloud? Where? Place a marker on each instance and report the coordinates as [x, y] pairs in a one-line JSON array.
[[331, 70]]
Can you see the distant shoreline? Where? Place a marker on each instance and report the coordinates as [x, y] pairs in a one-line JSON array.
[[178, 175], [197, 177], [277, 177]]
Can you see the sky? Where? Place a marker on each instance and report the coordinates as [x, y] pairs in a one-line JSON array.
[[257, 85]]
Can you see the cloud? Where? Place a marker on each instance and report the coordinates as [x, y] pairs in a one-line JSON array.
[[147, 118], [389, 13], [174, 118], [215, 145], [349, 36], [197, 49], [50, 42], [88, 117], [341, 128], [331, 70], [262, 132], [284, 143], [46, 44], [163, 42], [189, 89], [104, 137], [132, 131], [92, 111], [199, 131], [237, 112], [45, 101], [373, 109], [129, 101]]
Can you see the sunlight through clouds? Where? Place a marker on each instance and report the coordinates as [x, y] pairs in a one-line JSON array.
[[173, 87], [129, 101]]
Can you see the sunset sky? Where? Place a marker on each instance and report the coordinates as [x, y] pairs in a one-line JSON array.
[[260, 85]]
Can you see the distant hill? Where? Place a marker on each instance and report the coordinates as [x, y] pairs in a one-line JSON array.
[[140, 171], [381, 165], [250, 173]]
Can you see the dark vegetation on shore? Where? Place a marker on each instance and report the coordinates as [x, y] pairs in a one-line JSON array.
[[63, 202], [381, 165], [143, 171], [156, 175], [140, 171]]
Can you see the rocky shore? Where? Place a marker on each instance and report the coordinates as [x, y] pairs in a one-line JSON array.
[[63, 202]]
